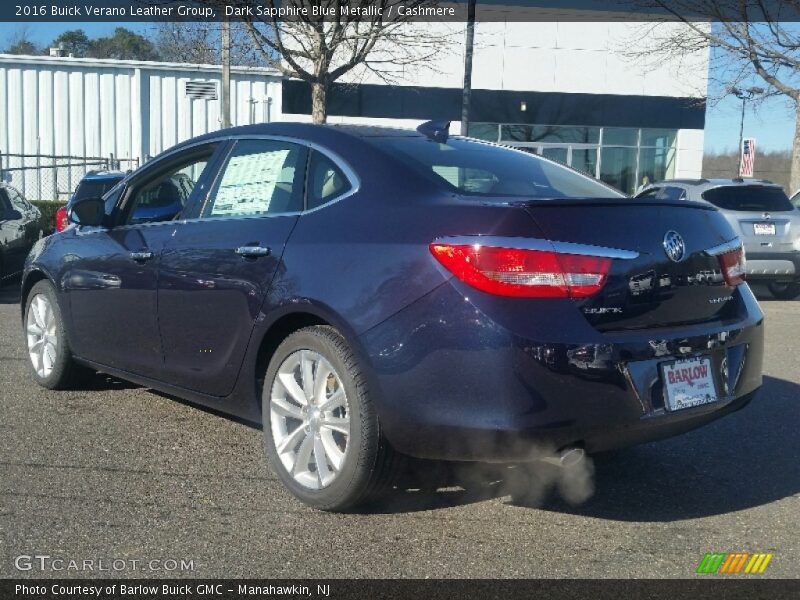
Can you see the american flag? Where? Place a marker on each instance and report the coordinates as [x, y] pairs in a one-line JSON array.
[[748, 157]]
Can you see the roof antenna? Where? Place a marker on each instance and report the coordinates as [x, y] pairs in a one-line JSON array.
[[438, 131]]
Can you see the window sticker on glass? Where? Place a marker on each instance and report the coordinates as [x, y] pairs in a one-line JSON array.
[[248, 184]]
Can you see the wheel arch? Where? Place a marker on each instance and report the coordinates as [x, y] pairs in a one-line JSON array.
[[30, 279], [271, 336]]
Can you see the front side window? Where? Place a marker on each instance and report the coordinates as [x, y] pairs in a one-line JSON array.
[[260, 177], [476, 168], [664, 193], [165, 196]]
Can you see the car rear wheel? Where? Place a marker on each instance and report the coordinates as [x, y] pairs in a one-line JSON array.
[[321, 430], [49, 352], [784, 290]]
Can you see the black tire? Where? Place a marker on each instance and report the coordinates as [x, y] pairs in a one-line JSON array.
[[65, 373], [370, 465], [784, 291]]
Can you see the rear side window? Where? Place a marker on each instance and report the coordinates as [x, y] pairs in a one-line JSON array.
[[18, 201], [749, 198], [325, 181], [259, 177], [475, 168]]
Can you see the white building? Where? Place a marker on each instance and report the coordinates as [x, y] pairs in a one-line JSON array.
[[74, 108], [563, 89]]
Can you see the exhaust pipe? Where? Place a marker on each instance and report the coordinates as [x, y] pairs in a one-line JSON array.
[[567, 458]]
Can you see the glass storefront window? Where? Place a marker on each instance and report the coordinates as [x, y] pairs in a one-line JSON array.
[[585, 160], [626, 156], [620, 136], [618, 168], [656, 164], [557, 154], [661, 138], [484, 131], [553, 134]]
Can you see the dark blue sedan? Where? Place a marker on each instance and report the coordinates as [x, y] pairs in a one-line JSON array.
[[371, 293]]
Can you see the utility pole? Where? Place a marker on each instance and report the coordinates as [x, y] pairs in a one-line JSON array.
[[468, 51], [226, 74]]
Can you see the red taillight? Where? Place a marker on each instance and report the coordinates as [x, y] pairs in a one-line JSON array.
[[61, 219], [524, 273], [733, 266]]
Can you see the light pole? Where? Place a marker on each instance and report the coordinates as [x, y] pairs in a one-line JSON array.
[[744, 96]]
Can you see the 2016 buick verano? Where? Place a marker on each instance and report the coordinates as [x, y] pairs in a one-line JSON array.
[[367, 293]]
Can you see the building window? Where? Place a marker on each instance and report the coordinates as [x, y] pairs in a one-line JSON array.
[[624, 157], [553, 134], [618, 167], [484, 131], [620, 136]]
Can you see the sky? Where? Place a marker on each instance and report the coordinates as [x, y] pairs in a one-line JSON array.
[[771, 122]]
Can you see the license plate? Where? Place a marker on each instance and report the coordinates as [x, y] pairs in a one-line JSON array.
[[764, 228], [688, 382]]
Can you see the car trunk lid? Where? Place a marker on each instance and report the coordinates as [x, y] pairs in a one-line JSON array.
[[652, 289]]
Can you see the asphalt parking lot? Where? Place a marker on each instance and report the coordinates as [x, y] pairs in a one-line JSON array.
[[121, 472]]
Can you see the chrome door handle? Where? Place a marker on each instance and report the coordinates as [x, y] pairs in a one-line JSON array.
[[141, 256], [252, 251]]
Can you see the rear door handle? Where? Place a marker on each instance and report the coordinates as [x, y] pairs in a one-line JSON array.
[[141, 256], [252, 251]]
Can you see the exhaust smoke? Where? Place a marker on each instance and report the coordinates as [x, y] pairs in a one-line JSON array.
[[569, 473]]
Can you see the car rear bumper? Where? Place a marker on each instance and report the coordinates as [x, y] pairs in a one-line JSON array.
[[453, 384], [777, 266]]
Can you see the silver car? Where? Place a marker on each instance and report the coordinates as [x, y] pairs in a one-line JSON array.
[[763, 216]]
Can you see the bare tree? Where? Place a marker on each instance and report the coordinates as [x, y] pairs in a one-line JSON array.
[[21, 42], [371, 35], [749, 40], [199, 43]]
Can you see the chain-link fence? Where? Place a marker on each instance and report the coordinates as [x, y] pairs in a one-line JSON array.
[[54, 177]]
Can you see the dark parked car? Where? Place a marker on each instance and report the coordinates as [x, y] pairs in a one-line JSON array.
[[761, 214], [369, 293], [19, 230]]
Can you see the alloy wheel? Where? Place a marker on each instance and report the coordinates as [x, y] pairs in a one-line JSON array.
[[42, 335], [310, 419]]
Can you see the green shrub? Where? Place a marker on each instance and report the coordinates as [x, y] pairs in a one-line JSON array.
[[48, 219]]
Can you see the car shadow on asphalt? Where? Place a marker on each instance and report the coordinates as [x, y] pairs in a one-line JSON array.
[[744, 460]]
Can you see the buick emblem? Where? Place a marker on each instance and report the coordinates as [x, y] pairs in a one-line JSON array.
[[674, 246]]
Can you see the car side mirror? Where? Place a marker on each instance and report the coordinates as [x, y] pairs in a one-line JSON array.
[[12, 215], [88, 211]]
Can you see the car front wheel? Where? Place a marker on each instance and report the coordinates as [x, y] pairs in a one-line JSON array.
[[321, 430], [784, 291], [46, 338]]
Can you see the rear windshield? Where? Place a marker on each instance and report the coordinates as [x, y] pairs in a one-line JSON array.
[[95, 188], [476, 168], [749, 198]]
